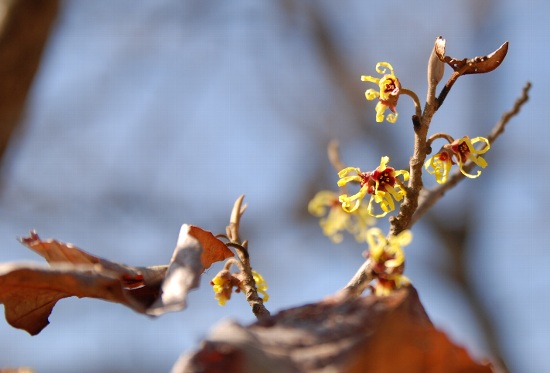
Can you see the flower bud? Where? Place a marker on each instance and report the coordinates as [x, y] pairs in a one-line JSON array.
[[436, 67]]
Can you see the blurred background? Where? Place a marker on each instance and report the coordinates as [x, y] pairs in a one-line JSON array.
[[122, 120]]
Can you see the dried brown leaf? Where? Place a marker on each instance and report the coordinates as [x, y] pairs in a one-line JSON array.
[[400, 345], [30, 291], [213, 250], [59, 252], [476, 65], [195, 251], [337, 336]]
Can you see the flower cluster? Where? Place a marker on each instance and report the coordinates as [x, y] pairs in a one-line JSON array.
[[386, 187], [225, 281], [388, 93], [388, 259], [222, 285], [334, 220], [382, 184], [457, 152]]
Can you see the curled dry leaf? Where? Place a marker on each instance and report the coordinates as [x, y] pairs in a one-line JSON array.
[[213, 250], [59, 252], [476, 65], [360, 335], [30, 291], [195, 251]]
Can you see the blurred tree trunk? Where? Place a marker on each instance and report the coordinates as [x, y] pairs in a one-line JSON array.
[[24, 29]]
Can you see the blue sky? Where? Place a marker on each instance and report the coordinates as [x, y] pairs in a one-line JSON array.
[[144, 117]]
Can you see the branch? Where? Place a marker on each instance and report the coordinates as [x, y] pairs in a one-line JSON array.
[[415, 99], [241, 247], [360, 281], [333, 151], [432, 196], [24, 30]]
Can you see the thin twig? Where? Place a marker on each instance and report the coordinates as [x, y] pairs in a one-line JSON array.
[[520, 101], [241, 247], [359, 282], [333, 151], [232, 230], [415, 99], [447, 88], [439, 135], [432, 196]]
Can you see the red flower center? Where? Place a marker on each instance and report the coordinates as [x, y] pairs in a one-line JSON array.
[[443, 156], [389, 86], [385, 178], [462, 150]]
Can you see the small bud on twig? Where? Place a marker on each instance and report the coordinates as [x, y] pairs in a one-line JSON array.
[[436, 67]]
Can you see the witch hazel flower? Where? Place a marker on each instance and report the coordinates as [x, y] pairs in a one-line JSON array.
[[387, 94], [334, 220], [388, 260], [457, 152], [382, 184], [224, 282], [261, 285]]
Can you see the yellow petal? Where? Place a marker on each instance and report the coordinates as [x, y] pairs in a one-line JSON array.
[[343, 181], [485, 141], [383, 162], [480, 161], [368, 78], [371, 94], [392, 117], [347, 170], [380, 68], [322, 200]]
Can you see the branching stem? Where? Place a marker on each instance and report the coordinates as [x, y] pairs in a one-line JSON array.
[[439, 135], [417, 200], [241, 247], [432, 196], [415, 99]]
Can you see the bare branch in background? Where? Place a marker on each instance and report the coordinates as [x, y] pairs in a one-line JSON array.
[[453, 240], [24, 29]]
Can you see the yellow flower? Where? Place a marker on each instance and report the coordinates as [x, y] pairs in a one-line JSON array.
[[388, 252], [224, 282], [459, 151], [440, 165], [384, 287], [464, 150], [388, 92], [222, 285], [337, 220], [261, 285], [388, 259], [382, 184]]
